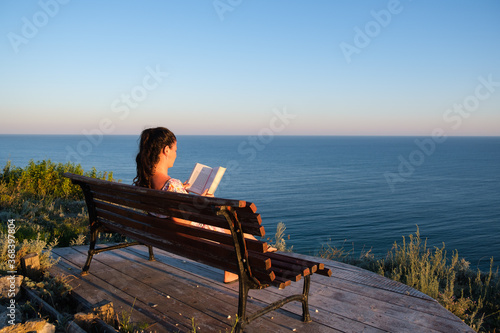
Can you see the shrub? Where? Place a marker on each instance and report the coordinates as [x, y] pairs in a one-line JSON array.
[[45, 204], [279, 239], [473, 297], [25, 247], [44, 178]]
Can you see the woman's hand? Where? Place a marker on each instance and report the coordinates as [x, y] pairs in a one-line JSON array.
[[206, 194]]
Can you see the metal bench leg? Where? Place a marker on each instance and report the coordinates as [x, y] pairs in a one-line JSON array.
[[306, 317], [242, 304], [151, 254], [93, 240]]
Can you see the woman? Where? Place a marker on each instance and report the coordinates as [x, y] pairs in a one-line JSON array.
[[157, 153]]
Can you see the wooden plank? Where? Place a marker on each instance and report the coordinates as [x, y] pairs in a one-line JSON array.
[[367, 301], [184, 206], [286, 257], [249, 226], [219, 255], [330, 288], [94, 290], [329, 321], [30, 265], [406, 302], [282, 261], [183, 287], [191, 209], [164, 227], [187, 209], [368, 278], [149, 304]]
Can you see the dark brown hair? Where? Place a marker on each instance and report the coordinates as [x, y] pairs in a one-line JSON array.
[[153, 140]]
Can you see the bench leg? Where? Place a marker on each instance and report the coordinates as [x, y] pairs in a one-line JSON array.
[[242, 304], [303, 298], [306, 317], [151, 254], [93, 240]]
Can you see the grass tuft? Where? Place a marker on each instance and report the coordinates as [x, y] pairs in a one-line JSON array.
[[279, 241]]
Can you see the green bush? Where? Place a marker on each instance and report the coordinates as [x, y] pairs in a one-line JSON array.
[[43, 203], [44, 178]]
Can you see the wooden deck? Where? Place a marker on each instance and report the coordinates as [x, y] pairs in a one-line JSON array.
[[171, 291]]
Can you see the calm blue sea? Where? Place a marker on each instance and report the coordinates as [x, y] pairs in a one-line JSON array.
[[361, 193]]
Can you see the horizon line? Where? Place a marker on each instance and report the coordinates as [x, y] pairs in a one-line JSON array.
[[253, 134]]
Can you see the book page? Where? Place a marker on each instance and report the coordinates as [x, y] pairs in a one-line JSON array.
[[214, 179], [199, 178], [204, 177]]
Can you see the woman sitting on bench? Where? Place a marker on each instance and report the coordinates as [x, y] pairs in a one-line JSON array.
[[157, 153]]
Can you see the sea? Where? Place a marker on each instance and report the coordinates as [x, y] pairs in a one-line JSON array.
[[357, 193]]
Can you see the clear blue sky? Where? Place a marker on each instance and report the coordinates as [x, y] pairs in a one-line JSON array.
[[246, 67]]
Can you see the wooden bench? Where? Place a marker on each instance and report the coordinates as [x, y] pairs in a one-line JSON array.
[[133, 212]]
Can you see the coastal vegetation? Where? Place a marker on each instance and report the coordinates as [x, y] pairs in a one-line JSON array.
[[473, 296], [43, 203], [49, 211]]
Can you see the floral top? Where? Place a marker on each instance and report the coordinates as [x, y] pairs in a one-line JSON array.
[[175, 185]]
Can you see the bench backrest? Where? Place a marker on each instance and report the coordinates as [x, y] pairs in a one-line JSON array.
[[133, 211]]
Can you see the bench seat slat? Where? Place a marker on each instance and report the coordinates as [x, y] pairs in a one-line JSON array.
[[246, 213], [117, 213], [190, 204], [211, 253], [206, 216], [281, 283], [298, 270], [113, 221], [124, 188], [325, 271], [286, 274], [295, 261], [155, 205], [303, 268], [206, 252]]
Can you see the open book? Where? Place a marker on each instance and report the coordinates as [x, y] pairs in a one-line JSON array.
[[204, 177]]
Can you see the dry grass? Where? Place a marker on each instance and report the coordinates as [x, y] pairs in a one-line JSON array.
[[472, 296]]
